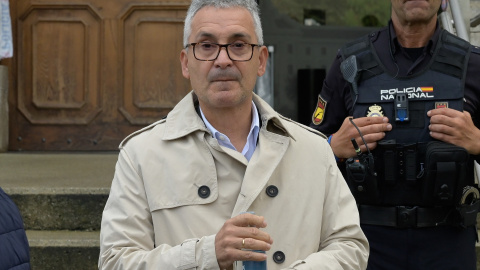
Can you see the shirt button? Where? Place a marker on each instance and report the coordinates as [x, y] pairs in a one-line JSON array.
[[272, 191], [204, 192], [279, 257]]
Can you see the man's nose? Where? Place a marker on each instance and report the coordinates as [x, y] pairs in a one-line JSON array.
[[223, 60]]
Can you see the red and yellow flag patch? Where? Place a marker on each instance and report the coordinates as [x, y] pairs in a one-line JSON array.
[[319, 112]]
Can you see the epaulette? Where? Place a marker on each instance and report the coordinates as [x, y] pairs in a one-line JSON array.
[[141, 131], [356, 46]]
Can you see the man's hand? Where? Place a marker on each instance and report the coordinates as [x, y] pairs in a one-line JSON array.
[[455, 127], [241, 232], [372, 128]]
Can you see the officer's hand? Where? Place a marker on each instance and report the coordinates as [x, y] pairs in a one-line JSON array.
[[372, 128], [241, 232], [455, 127]]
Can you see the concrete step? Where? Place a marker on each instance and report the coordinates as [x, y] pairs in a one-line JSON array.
[[58, 191], [80, 210], [77, 250], [61, 198]]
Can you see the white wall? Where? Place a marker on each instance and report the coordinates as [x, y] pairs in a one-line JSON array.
[[475, 32]]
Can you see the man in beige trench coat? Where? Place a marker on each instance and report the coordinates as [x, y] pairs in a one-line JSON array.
[[182, 183]]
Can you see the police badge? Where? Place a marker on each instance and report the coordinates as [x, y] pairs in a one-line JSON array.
[[375, 111]]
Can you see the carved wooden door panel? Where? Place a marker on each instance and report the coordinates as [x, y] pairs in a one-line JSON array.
[[86, 73]]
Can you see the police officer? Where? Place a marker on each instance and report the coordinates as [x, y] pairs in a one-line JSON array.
[[409, 97]]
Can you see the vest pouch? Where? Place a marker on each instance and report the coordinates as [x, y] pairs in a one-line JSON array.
[[386, 162], [363, 184], [445, 170]]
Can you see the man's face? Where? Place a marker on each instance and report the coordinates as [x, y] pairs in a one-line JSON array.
[[414, 11], [223, 83]]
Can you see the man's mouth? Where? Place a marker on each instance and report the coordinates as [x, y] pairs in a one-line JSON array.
[[223, 79]]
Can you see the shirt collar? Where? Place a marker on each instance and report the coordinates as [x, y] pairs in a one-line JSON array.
[[185, 118], [255, 121], [252, 135]]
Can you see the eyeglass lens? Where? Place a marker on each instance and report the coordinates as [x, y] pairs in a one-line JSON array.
[[236, 51]]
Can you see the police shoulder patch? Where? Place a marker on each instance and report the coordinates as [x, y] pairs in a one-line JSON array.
[[319, 113]]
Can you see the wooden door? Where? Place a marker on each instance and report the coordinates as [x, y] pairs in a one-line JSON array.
[[86, 73]]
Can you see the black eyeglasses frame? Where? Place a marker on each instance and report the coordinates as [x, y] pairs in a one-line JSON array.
[[220, 46]]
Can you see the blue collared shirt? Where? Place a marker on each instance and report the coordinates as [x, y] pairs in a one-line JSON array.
[[251, 144]]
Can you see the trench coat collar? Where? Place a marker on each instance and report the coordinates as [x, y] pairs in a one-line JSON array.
[[183, 119]]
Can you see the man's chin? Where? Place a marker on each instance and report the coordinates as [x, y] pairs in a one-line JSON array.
[[221, 86]]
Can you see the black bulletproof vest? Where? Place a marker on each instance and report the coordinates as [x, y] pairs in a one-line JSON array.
[[405, 101]]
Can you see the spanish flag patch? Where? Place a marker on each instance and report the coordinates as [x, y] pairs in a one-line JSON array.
[[319, 112]]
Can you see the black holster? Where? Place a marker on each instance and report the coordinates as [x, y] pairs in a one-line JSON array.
[[468, 214]]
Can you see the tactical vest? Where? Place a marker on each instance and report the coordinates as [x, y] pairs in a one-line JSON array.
[[411, 168]]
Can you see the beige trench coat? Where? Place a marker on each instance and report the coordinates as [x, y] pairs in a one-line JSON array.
[[155, 218]]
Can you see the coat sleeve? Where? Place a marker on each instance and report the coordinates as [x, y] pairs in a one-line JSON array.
[[127, 238], [14, 247], [343, 244]]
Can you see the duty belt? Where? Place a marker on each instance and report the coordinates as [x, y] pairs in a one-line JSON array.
[[406, 216]]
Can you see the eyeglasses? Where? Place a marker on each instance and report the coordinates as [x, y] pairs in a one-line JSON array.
[[238, 51]]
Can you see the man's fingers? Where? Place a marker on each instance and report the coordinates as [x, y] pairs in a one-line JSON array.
[[376, 128], [248, 255], [254, 244], [249, 220], [366, 121], [444, 111], [248, 226], [254, 233], [371, 138], [443, 120]]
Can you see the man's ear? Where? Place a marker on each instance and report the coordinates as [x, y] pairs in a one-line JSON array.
[[263, 57], [184, 62]]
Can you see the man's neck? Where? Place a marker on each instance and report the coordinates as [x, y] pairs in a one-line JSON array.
[[414, 35], [233, 122]]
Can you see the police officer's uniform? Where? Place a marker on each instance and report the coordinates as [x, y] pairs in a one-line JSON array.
[[416, 196]]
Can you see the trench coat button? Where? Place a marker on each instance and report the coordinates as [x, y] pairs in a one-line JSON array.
[[204, 192], [279, 257], [272, 191]]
